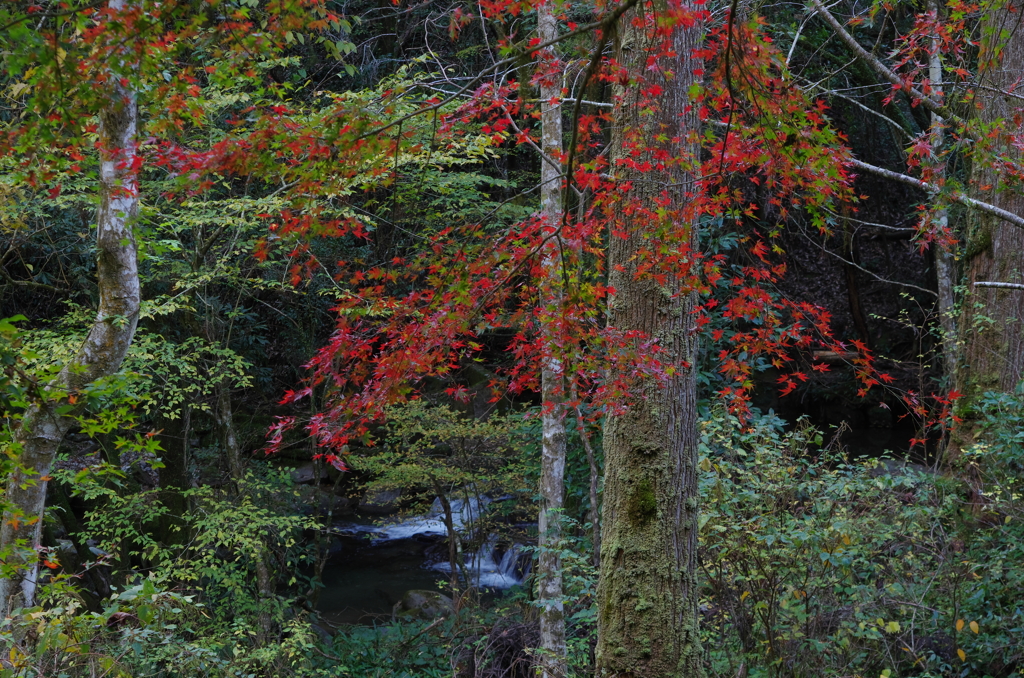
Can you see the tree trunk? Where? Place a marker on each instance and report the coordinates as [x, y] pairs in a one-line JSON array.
[[852, 288], [552, 657], [593, 515], [647, 592], [174, 480], [233, 451], [944, 257], [100, 355], [992, 327]]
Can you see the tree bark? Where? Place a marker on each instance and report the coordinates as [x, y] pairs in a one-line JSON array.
[[43, 427], [647, 592], [552, 656], [233, 451], [991, 328], [944, 257]]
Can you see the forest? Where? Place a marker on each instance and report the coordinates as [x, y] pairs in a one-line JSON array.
[[511, 338]]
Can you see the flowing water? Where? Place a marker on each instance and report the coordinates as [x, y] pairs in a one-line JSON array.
[[378, 562]]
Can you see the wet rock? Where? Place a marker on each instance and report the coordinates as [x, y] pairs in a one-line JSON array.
[[420, 604], [305, 473], [381, 502]]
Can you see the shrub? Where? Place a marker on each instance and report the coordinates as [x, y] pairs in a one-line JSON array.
[[816, 567]]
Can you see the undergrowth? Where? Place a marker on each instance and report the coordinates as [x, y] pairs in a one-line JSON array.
[[811, 565]]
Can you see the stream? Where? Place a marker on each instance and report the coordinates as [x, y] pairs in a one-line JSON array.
[[378, 561]]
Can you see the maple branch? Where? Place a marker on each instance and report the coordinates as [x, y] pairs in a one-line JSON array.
[[853, 101], [876, 64], [955, 196], [1009, 286], [50, 15]]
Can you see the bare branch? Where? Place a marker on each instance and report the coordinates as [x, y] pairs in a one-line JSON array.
[[954, 196], [883, 70], [1004, 285], [864, 270]]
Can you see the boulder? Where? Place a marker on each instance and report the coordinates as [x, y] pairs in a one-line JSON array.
[[421, 604], [304, 473], [381, 502]]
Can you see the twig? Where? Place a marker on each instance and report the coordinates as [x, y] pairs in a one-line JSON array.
[[603, 24], [871, 273]]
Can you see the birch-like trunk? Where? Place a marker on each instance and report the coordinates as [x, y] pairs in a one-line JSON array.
[[945, 261], [552, 656], [647, 592], [100, 355]]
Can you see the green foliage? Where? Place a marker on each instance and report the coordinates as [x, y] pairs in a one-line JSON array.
[[816, 567], [1001, 428], [407, 649], [433, 448], [579, 594], [193, 610]]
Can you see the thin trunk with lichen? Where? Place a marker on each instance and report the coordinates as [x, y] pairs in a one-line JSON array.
[[647, 592], [551, 659], [992, 324], [101, 354], [944, 257]]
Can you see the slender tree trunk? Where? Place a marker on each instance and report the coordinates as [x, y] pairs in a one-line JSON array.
[[174, 481], [233, 451], [852, 288], [454, 552], [993, 320], [647, 592], [594, 515], [100, 355], [945, 259], [552, 657]]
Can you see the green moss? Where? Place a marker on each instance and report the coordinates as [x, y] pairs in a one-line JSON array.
[[980, 240], [643, 506]]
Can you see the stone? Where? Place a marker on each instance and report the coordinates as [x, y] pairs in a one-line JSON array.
[[422, 604], [381, 502], [306, 473]]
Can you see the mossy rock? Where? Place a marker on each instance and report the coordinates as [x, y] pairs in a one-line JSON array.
[[422, 604]]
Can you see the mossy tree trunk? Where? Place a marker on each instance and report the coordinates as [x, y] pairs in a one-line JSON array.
[[647, 593], [45, 422], [993, 318]]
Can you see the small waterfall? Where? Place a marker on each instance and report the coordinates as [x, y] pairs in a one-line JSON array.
[[486, 571], [488, 567], [465, 513]]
